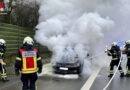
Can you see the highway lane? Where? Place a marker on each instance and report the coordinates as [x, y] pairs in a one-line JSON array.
[[116, 84], [48, 83]]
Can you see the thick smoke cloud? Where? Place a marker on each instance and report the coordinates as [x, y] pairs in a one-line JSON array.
[[81, 26], [119, 12]]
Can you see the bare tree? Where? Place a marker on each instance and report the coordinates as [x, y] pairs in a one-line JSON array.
[[26, 14], [8, 7], [22, 12]]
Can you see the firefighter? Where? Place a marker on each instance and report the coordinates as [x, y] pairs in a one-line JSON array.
[[29, 63], [116, 55], [127, 52], [2, 63]]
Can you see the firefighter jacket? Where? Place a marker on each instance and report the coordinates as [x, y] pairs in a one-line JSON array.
[[2, 52], [28, 60], [115, 52], [127, 50]]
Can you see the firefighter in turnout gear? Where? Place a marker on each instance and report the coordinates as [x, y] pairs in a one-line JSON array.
[[116, 55], [127, 52], [29, 63], [3, 74]]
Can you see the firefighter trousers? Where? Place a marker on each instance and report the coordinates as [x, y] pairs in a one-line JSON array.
[[128, 66], [29, 81], [3, 72], [115, 63]]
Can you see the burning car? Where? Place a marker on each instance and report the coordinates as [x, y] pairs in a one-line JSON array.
[[67, 65], [67, 68]]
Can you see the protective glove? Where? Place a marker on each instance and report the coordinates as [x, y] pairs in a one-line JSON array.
[[17, 72], [40, 70]]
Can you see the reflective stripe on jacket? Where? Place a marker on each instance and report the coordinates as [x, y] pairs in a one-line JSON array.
[[29, 61]]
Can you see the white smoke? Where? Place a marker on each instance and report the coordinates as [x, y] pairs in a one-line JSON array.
[[119, 12], [81, 26]]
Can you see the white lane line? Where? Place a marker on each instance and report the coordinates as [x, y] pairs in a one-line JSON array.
[[114, 73], [91, 79]]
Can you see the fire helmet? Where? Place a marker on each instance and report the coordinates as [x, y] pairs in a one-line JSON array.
[[127, 41], [114, 44], [2, 42], [28, 40]]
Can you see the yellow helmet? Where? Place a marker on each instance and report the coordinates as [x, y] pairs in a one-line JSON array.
[[28, 40]]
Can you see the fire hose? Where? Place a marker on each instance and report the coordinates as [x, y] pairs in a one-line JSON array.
[[89, 58], [114, 73], [96, 55], [20, 81]]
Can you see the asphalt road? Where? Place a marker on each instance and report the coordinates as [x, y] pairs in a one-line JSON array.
[[46, 83], [116, 84], [53, 83]]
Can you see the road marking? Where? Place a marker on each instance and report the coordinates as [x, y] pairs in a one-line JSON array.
[[114, 73], [91, 79]]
